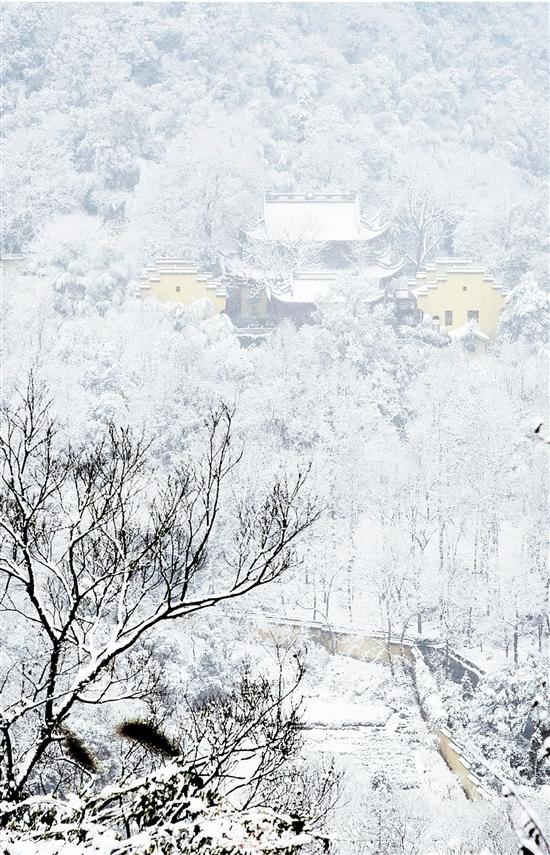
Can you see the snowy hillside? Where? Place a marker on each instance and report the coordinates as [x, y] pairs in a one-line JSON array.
[[274, 433]]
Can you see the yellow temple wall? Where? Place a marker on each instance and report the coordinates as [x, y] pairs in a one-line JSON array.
[[450, 295], [191, 287]]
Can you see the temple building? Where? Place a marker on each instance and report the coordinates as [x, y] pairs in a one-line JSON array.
[[298, 300], [298, 297], [303, 243], [459, 295], [329, 224], [295, 256], [175, 280]]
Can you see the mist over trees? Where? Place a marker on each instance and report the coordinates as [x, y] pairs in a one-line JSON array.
[[166, 122], [164, 488]]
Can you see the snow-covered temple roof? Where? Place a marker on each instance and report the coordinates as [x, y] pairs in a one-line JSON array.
[[379, 271], [315, 217], [311, 286], [306, 288]]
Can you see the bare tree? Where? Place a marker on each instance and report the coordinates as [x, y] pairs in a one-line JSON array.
[[97, 549], [273, 262], [247, 741], [424, 225], [244, 736]]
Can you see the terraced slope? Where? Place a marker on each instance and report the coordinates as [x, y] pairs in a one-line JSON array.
[[396, 784]]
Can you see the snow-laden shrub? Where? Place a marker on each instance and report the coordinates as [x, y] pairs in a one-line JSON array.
[[83, 263], [167, 812], [526, 315], [509, 719], [428, 693]]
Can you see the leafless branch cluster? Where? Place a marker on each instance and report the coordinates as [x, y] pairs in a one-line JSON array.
[[277, 260], [245, 735], [97, 549], [249, 739], [424, 225], [168, 811]]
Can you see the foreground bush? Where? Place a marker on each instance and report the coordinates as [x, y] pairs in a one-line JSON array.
[[168, 812]]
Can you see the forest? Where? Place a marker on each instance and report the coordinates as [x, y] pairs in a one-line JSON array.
[[189, 526]]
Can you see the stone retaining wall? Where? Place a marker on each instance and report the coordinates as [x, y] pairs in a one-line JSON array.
[[458, 763], [375, 647]]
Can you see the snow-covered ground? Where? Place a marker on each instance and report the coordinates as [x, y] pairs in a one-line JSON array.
[[398, 795]]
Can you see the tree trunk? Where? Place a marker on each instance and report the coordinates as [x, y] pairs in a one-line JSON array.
[[314, 603], [390, 658], [350, 589], [441, 550], [469, 627]]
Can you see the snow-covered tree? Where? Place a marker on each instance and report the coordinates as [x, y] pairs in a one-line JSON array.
[[82, 263], [526, 315], [167, 812]]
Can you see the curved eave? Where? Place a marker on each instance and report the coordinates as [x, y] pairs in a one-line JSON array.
[[290, 300], [371, 232], [258, 232], [365, 233], [389, 272]]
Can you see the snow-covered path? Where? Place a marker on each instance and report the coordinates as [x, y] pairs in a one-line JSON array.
[[395, 780]]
